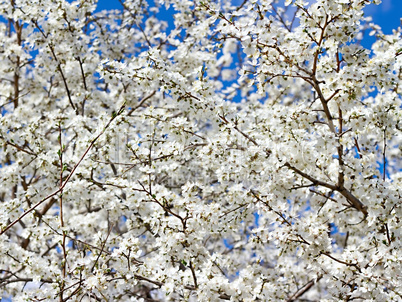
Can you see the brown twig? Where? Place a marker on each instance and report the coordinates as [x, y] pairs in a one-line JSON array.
[[63, 243], [384, 158], [102, 248], [58, 66], [141, 103], [68, 177], [355, 202], [303, 289]]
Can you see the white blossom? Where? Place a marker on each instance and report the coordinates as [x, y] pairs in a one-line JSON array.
[[227, 153]]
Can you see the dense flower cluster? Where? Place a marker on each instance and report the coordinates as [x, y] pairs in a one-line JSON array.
[[243, 151]]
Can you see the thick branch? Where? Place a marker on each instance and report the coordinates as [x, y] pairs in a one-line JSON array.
[[356, 203]]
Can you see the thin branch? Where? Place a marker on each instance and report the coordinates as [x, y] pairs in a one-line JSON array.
[[303, 289], [141, 103], [359, 153], [63, 243], [58, 67], [301, 187], [341, 172], [355, 202], [19, 148], [162, 205], [84, 83], [193, 274], [102, 248], [238, 130], [82, 73], [387, 231], [282, 216], [341, 261], [2, 283], [314, 181], [139, 25], [77, 240], [68, 177], [333, 95], [233, 210], [384, 158]]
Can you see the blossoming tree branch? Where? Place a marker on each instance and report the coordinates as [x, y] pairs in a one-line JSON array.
[[242, 151]]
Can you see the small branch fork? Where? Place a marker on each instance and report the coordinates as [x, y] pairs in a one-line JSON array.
[[354, 201], [306, 287], [61, 187], [280, 215], [311, 78], [58, 67], [248, 137], [303, 289], [164, 206]]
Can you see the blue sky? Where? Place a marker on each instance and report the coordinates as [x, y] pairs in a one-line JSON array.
[[387, 14]]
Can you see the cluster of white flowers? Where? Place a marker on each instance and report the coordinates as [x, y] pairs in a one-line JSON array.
[[233, 151]]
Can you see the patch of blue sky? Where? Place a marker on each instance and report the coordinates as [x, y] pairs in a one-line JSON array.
[[228, 244], [387, 15]]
